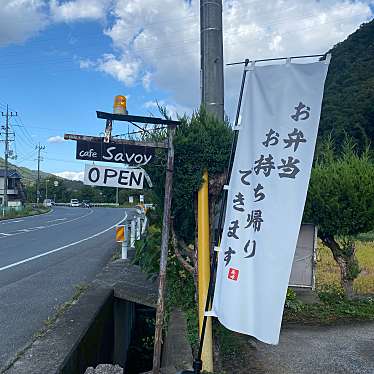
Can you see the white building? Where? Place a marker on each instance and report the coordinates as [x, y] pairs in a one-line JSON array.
[[15, 191]]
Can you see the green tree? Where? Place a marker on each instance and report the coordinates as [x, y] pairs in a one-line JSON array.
[[341, 203], [201, 143]]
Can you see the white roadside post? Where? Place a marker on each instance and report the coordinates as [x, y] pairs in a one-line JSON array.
[[125, 244], [144, 227], [122, 237], [138, 228], [132, 240]]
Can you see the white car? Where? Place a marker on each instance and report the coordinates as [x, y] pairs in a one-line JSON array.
[[74, 203], [47, 203]]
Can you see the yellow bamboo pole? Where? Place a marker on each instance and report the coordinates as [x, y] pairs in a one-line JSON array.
[[204, 271]]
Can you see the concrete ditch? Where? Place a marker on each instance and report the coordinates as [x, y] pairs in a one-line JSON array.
[[99, 327]]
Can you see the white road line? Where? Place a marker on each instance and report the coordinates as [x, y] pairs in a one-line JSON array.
[[18, 232], [58, 219], [63, 247], [13, 221], [5, 234]]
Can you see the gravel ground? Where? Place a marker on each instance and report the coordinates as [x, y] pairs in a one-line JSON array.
[[345, 348], [304, 349]]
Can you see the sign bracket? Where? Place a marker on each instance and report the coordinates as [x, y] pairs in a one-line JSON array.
[[97, 139]]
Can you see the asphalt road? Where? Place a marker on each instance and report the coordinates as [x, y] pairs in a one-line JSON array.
[[42, 260]]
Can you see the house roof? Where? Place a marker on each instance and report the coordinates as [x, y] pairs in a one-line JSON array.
[[11, 174]]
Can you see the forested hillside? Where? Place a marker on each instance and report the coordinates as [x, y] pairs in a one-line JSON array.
[[348, 106]]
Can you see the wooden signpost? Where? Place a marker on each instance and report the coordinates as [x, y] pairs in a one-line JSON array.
[[109, 149]]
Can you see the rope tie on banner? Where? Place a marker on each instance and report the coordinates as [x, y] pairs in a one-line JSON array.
[[251, 66]]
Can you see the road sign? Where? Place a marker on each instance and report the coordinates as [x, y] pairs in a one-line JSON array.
[[114, 152], [120, 233], [131, 199], [141, 198], [95, 175]]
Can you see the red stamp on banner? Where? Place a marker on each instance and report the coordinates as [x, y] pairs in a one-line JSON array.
[[233, 274]]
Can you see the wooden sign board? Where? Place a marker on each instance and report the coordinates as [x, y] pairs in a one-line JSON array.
[[114, 152], [105, 176]]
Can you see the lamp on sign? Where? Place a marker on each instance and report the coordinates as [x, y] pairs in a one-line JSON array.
[[119, 106]]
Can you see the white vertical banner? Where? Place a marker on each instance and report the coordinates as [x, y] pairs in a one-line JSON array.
[[267, 191]]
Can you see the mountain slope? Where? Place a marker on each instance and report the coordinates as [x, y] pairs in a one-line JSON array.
[[348, 105], [28, 175]]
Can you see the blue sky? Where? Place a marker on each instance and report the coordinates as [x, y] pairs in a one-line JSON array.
[[60, 61]]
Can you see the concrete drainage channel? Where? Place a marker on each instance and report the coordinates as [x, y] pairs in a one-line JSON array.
[[112, 323]]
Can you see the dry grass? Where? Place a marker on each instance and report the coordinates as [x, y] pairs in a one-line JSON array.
[[328, 270]]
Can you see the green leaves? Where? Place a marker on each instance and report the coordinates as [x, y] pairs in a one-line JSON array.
[[201, 142], [341, 193]]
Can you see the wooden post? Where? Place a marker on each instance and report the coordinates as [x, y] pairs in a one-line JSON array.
[[164, 253]]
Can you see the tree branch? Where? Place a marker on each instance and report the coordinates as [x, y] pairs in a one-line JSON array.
[[179, 256]]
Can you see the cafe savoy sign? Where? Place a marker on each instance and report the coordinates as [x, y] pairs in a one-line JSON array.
[[114, 152]]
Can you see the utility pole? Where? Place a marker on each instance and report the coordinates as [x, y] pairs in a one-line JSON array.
[[6, 152], [212, 98], [39, 148], [211, 44], [46, 188]]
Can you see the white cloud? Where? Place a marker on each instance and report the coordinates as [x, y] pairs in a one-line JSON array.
[[161, 39], [56, 139], [70, 11], [72, 175], [21, 19], [146, 80], [86, 64], [125, 69], [172, 110], [156, 43]]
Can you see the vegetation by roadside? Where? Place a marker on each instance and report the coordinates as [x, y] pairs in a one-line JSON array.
[[180, 283], [27, 211], [328, 272], [333, 307]]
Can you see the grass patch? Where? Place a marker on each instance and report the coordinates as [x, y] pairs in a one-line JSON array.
[[333, 307], [80, 289], [328, 272], [117, 254], [27, 211]]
